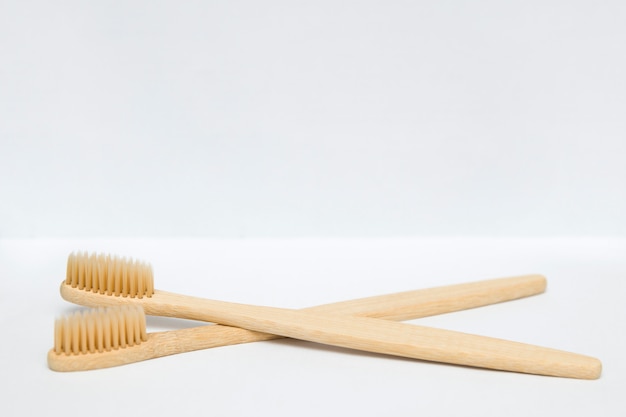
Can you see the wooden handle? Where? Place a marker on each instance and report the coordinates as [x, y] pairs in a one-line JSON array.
[[415, 304], [380, 336]]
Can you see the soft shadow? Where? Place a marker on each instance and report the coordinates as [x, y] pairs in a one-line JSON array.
[[157, 323]]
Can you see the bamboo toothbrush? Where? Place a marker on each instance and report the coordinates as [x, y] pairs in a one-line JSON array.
[[102, 280], [119, 281]]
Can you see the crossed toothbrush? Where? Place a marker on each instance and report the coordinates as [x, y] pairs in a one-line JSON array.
[[122, 292]]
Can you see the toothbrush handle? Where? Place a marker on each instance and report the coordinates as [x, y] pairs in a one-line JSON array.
[[399, 306], [414, 304], [399, 339]]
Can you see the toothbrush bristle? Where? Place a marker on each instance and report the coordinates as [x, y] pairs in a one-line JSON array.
[[110, 275], [100, 330]]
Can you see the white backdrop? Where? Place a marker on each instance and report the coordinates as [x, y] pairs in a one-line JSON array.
[[281, 118]]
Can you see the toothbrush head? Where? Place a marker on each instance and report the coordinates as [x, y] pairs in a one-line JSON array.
[[103, 274], [99, 330], [100, 338]]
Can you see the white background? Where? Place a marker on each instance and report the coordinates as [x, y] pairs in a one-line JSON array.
[[241, 118], [359, 148]]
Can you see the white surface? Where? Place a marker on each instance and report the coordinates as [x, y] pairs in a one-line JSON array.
[[582, 311], [279, 118]]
